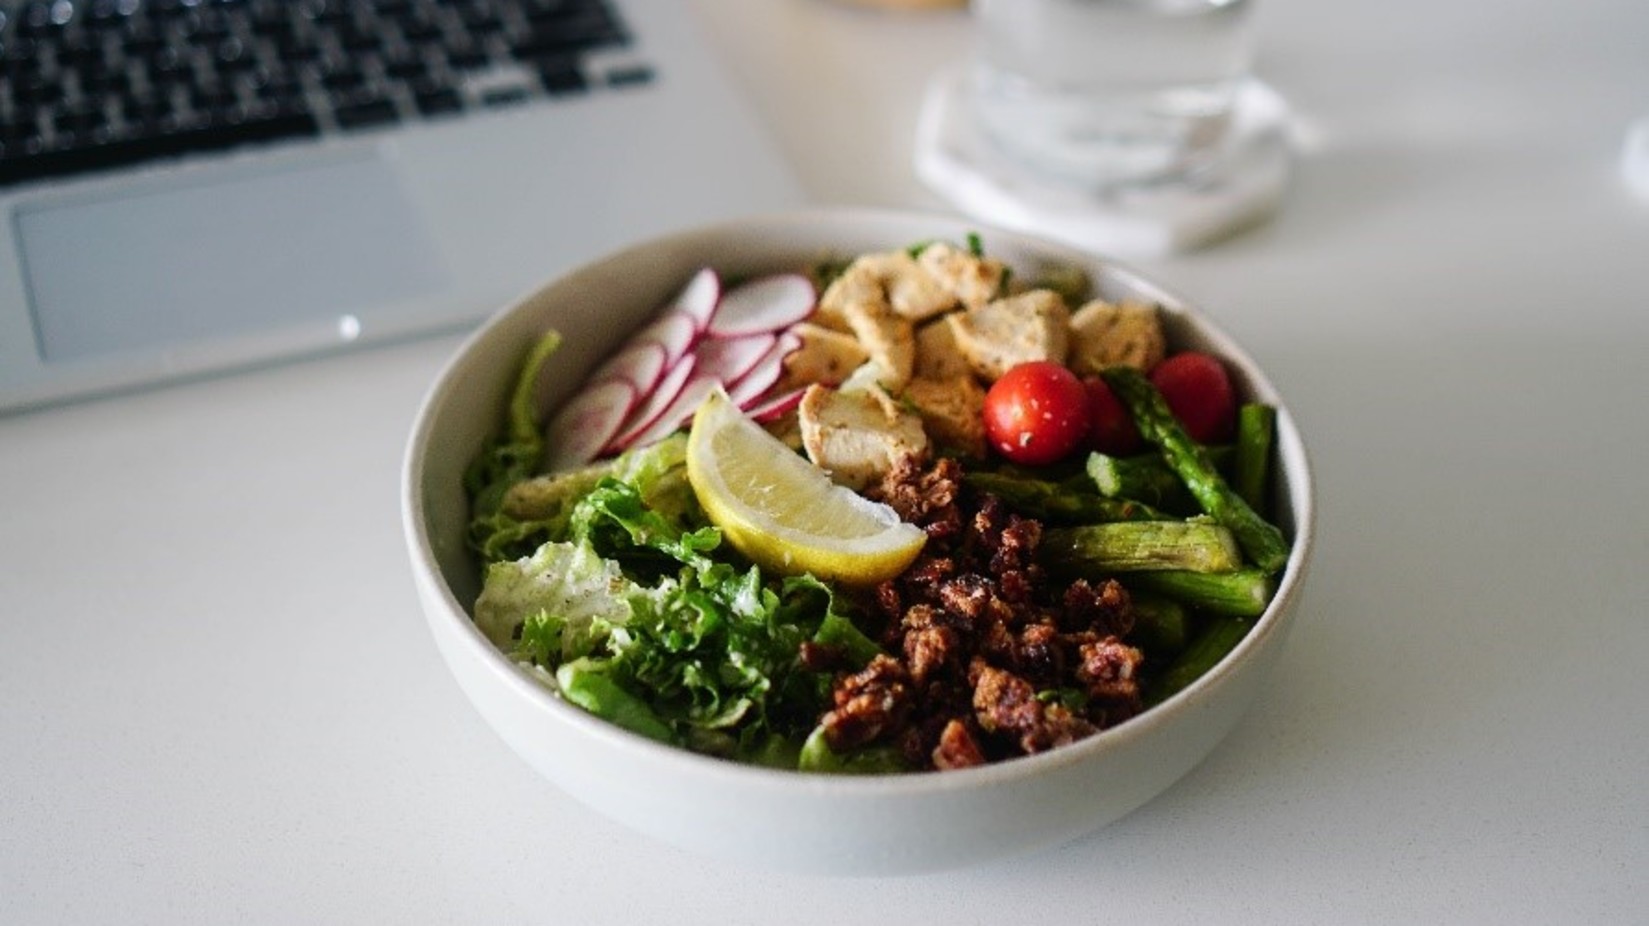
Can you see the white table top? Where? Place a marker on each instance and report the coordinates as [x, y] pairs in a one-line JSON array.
[[219, 703]]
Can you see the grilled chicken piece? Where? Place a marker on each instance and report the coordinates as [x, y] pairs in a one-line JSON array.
[[972, 279], [1104, 335], [857, 437], [952, 411], [1000, 335], [826, 356], [889, 339], [893, 278], [937, 354]]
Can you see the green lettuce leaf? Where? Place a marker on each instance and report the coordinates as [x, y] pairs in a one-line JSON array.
[[616, 520], [513, 455], [517, 452], [562, 589], [635, 612]]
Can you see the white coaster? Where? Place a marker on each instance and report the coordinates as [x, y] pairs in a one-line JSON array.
[[957, 162], [1634, 159]]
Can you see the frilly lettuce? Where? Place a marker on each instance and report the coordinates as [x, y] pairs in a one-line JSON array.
[[562, 582], [704, 654], [609, 583]]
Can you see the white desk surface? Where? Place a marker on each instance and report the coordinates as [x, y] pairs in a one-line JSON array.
[[219, 703]]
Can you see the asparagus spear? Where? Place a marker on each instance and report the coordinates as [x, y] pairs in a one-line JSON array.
[[1243, 593], [1220, 637], [1050, 501], [1159, 624], [1262, 542], [1256, 431], [1131, 546], [1145, 478]]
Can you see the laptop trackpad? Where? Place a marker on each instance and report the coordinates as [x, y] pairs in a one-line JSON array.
[[225, 254]]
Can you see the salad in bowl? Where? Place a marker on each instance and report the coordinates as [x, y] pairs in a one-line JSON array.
[[903, 510], [857, 542]]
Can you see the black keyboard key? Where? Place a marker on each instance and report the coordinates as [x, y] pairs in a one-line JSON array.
[[420, 31], [213, 98], [438, 101], [167, 62], [340, 77], [231, 54], [146, 110], [19, 140], [634, 76], [41, 17], [271, 24], [19, 56], [580, 34], [141, 44], [105, 84], [405, 66], [109, 14], [90, 84], [81, 126], [480, 18], [355, 41], [36, 89], [467, 56], [176, 137], [79, 53], [561, 75], [278, 87], [365, 113], [325, 12], [500, 97]]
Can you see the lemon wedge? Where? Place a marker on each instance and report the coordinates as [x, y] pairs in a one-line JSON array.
[[782, 511]]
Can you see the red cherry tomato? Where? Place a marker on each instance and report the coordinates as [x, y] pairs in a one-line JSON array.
[[1111, 429], [1199, 393], [1036, 413]]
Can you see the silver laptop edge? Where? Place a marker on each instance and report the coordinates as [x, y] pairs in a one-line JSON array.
[[501, 200]]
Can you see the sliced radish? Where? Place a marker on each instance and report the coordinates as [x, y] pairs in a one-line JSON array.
[[754, 385], [764, 304], [678, 413], [699, 299], [730, 358], [674, 331], [772, 409], [652, 405], [579, 431], [640, 364]]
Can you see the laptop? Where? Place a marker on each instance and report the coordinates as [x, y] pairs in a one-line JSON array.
[[189, 187]]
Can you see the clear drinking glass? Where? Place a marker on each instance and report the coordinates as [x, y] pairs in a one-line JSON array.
[[1109, 93]]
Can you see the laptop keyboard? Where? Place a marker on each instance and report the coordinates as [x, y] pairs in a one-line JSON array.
[[89, 85]]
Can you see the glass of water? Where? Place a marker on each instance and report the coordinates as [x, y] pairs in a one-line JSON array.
[[1110, 93]]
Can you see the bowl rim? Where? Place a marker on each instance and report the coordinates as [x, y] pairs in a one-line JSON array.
[[1272, 621]]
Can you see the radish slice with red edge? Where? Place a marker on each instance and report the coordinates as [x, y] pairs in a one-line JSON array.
[[764, 304], [754, 385], [583, 426], [676, 332], [640, 364], [731, 358], [678, 413], [650, 407], [774, 408], [700, 298]]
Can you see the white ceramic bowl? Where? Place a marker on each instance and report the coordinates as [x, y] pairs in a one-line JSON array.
[[790, 820]]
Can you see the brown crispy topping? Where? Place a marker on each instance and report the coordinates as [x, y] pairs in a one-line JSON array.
[[994, 658]]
